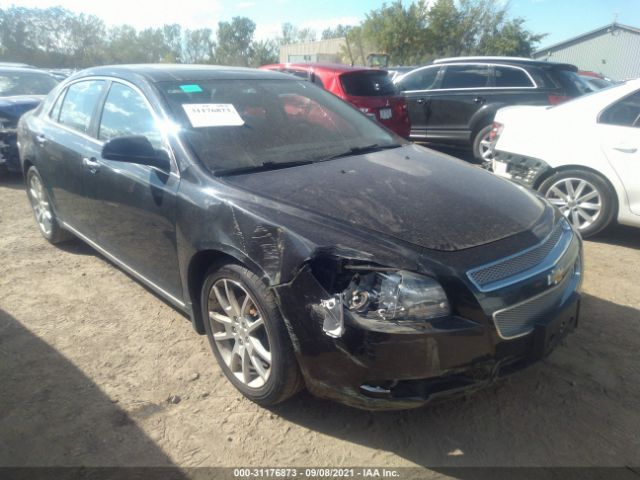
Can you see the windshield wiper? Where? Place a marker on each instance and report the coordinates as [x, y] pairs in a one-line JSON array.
[[374, 147], [263, 167]]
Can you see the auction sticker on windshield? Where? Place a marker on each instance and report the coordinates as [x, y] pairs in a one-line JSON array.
[[212, 115]]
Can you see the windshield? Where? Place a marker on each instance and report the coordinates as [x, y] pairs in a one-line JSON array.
[[25, 83], [243, 124], [368, 84]]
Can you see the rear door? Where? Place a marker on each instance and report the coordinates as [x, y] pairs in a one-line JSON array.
[[619, 126], [134, 205], [417, 86], [64, 143], [464, 89]]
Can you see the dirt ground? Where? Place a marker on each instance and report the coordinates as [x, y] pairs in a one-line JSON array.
[[89, 357]]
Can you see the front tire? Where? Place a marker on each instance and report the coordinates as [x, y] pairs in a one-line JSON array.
[[248, 336], [43, 211], [583, 197]]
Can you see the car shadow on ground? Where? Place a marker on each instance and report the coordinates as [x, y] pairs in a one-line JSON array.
[[11, 180], [46, 400], [621, 235], [569, 409]]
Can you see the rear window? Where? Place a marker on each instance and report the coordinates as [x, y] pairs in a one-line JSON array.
[[466, 76], [511, 77], [367, 84], [569, 81], [25, 83]]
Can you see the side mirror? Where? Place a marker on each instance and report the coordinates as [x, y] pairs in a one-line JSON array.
[[134, 149]]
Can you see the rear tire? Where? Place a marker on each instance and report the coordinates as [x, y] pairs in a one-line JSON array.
[[43, 211], [584, 198], [248, 336], [481, 145]]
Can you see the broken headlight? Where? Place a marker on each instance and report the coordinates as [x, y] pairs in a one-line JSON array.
[[395, 295]]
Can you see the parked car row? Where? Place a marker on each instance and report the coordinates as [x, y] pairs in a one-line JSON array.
[[452, 101], [313, 246]]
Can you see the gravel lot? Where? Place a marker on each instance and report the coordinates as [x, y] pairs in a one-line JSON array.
[[89, 357]]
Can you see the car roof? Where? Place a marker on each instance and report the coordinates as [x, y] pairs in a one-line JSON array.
[[178, 72], [520, 61], [11, 69], [336, 68]]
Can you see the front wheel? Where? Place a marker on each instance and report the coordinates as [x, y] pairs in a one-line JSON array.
[[583, 197], [248, 336]]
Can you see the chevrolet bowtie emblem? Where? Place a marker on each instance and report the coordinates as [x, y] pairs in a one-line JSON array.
[[556, 276]]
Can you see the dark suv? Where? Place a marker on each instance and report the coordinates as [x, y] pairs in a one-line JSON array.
[[454, 100]]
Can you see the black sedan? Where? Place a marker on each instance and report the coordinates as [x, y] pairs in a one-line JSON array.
[[313, 247], [21, 90]]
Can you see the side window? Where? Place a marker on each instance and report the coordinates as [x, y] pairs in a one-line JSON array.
[[466, 76], [79, 104], [625, 112], [126, 113], [511, 77], [54, 114], [423, 79]]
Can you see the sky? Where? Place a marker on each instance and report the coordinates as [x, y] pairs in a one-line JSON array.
[[560, 19]]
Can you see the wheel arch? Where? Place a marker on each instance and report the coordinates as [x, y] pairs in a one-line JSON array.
[[202, 262]]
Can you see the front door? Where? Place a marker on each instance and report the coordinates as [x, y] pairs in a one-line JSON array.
[[134, 205]]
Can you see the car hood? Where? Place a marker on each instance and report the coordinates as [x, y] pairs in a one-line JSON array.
[[13, 107], [410, 193]]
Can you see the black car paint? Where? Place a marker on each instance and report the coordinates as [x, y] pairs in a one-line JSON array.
[[11, 109], [454, 116], [168, 227]]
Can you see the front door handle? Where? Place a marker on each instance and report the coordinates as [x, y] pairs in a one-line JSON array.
[[626, 149], [91, 164], [41, 139]]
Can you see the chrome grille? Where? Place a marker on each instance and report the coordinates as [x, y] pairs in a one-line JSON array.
[[508, 267], [520, 319]]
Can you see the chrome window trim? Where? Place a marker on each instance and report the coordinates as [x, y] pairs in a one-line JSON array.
[[126, 267], [533, 82], [165, 140], [556, 253]]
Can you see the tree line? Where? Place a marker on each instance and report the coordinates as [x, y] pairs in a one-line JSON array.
[[411, 34]]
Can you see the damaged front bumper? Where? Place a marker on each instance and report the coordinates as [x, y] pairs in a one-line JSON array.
[[521, 169], [404, 365], [9, 157]]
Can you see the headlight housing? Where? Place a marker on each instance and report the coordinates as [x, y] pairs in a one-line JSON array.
[[384, 300], [395, 295]]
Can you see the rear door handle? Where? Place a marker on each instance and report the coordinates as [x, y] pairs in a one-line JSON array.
[[41, 139], [478, 99], [421, 101], [626, 149], [91, 164]]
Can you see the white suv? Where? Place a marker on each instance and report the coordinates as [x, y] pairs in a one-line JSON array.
[[583, 155]]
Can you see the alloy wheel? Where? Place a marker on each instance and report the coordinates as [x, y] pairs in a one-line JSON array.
[[40, 204], [578, 200], [240, 332], [485, 147]]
